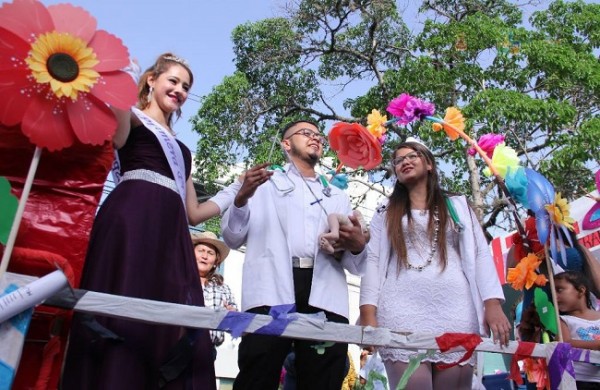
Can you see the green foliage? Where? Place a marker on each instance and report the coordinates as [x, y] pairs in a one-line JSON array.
[[213, 225], [536, 83]]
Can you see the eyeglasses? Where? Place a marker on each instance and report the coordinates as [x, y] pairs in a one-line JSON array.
[[310, 134], [411, 157]]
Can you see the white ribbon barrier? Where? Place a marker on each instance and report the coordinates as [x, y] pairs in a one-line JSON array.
[[302, 327]]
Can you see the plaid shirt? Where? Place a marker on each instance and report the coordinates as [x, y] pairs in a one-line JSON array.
[[216, 297]]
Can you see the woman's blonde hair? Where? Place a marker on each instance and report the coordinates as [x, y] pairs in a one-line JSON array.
[[162, 64]]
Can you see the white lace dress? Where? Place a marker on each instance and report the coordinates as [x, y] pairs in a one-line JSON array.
[[428, 301]]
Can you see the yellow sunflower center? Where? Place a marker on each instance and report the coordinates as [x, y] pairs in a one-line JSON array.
[[65, 62]]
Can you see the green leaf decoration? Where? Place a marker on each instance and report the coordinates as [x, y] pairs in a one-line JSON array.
[[8, 209], [374, 376], [413, 363], [545, 310]]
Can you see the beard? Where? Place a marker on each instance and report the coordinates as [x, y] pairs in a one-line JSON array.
[[311, 158]]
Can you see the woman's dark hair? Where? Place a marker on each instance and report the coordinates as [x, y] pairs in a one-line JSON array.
[[399, 206], [580, 282]]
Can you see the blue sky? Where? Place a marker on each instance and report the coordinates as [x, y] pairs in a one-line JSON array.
[[197, 30], [200, 32]]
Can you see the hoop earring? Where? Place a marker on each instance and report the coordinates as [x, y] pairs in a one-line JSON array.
[[149, 97]]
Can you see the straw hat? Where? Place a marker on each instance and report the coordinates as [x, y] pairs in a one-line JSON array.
[[211, 239]]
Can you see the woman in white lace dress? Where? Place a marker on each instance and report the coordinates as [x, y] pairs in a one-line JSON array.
[[429, 271]]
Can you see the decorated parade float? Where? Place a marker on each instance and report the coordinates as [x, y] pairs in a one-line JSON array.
[[59, 77]]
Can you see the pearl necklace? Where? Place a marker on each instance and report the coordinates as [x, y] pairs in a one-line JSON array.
[[436, 235]]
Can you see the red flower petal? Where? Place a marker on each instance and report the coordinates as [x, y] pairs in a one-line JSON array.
[[73, 20], [12, 47], [25, 18], [46, 124], [111, 52], [355, 146], [13, 98], [116, 89], [92, 121]]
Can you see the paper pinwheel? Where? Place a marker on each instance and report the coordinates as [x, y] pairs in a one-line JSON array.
[[551, 213], [58, 73], [591, 220]]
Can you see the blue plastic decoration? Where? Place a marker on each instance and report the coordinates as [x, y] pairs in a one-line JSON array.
[[516, 182], [539, 194]]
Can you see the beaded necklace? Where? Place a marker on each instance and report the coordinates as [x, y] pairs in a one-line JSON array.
[[436, 235]]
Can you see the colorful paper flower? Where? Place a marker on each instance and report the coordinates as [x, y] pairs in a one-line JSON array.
[[524, 274], [8, 209], [504, 158], [537, 372], [406, 108], [355, 145], [58, 73], [488, 143], [559, 212], [455, 119], [532, 238], [376, 124], [516, 182]]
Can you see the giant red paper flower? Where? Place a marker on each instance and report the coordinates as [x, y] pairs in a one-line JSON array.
[[355, 145], [58, 73]]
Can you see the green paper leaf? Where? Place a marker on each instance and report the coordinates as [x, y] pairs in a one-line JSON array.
[[374, 376], [545, 310], [8, 209], [413, 363]]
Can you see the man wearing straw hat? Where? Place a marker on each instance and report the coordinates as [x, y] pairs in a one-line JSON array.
[[278, 215]]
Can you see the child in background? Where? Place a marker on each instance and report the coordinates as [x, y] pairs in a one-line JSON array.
[[580, 323]]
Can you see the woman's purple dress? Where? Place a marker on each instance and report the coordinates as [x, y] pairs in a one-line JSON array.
[[140, 246]]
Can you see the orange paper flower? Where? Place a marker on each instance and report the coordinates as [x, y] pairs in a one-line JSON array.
[[453, 118], [58, 73], [355, 146], [376, 123], [524, 274]]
